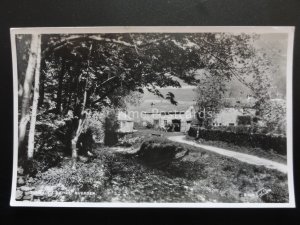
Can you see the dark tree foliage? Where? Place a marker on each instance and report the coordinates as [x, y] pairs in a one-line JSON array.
[[83, 73], [111, 126]]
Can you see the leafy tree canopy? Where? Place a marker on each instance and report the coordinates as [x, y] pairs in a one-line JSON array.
[[110, 66]]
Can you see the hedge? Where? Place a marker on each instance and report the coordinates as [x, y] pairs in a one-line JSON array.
[[260, 140]]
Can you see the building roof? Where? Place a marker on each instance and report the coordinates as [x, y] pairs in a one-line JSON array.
[[122, 116], [239, 102], [165, 106]]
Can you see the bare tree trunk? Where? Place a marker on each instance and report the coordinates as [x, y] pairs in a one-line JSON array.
[[79, 129], [42, 85], [25, 117], [60, 88], [81, 120], [35, 102], [75, 140]]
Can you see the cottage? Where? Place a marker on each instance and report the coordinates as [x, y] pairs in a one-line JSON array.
[[179, 117], [125, 123], [232, 112]]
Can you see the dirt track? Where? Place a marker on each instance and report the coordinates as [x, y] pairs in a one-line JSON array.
[[251, 159]]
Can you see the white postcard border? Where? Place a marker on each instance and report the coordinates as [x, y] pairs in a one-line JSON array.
[[160, 29]]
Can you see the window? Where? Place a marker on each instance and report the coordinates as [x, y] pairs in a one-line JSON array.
[[156, 122], [122, 124]]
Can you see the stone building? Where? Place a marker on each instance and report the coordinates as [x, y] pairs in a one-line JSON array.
[[179, 117], [125, 123], [232, 110]]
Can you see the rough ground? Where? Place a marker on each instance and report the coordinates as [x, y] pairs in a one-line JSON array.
[[202, 176], [251, 159]]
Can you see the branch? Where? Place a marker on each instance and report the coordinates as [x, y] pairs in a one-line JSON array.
[[111, 90], [98, 38], [232, 71], [109, 79], [63, 42], [136, 48]]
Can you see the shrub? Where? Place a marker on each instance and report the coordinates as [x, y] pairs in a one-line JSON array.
[[129, 141], [149, 125], [260, 140], [86, 142], [111, 126], [278, 194], [244, 120], [160, 151], [42, 161], [95, 122]]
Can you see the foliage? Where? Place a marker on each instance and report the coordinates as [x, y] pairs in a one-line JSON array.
[[273, 113], [244, 120], [160, 151], [129, 141], [210, 90], [199, 177], [256, 151], [276, 194], [111, 126], [129, 62], [22, 47], [86, 73], [149, 125], [42, 161], [264, 141], [95, 122]]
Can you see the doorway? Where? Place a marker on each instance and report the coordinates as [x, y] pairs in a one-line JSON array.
[[176, 125]]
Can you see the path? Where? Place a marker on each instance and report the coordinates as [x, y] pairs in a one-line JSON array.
[[251, 159]]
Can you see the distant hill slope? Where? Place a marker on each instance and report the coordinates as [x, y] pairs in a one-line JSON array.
[[181, 94], [150, 102]]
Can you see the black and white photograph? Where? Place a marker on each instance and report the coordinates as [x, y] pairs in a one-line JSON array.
[[153, 117]]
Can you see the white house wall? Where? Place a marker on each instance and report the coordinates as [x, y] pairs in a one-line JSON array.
[[227, 116], [126, 126], [184, 118]]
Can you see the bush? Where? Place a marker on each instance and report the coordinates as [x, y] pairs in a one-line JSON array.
[[111, 126], [86, 142], [277, 194], [129, 141], [260, 140], [149, 125], [160, 151], [244, 120], [42, 161]]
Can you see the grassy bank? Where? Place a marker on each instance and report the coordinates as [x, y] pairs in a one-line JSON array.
[[199, 177], [267, 154]]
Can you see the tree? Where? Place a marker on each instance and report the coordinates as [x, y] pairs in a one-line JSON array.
[[87, 72], [210, 91], [26, 89], [111, 126], [35, 101]]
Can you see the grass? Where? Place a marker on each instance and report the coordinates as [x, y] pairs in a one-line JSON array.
[[147, 133], [199, 177], [248, 150]]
